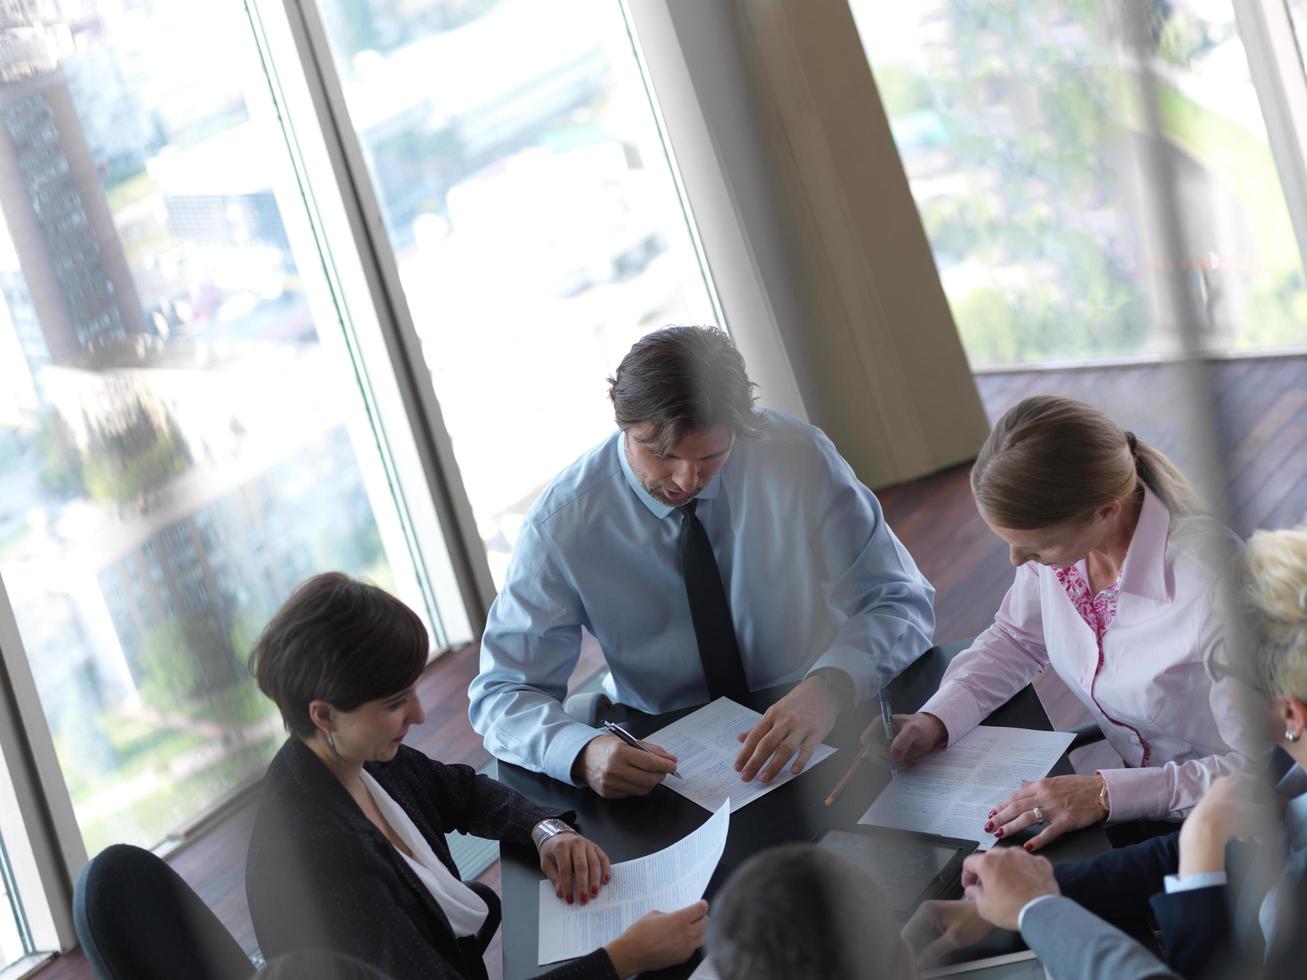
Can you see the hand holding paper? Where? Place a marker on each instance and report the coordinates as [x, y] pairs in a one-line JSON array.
[[672, 878], [704, 743], [951, 793], [792, 728], [1060, 803]]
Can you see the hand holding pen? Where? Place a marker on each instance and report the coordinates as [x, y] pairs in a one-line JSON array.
[[887, 729], [631, 740], [617, 764]]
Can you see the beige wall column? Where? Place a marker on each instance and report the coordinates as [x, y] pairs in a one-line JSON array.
[[785, 105]]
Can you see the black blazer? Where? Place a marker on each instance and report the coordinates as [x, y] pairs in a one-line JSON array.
[[1197, 928], [320, 876]]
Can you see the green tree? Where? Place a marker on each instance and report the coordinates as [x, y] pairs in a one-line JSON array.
[[136, 456], [61, 469]]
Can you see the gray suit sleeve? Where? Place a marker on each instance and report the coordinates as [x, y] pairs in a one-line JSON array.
[[1073, 943]]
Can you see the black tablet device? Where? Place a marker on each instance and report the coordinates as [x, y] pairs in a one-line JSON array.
[[910, 867]]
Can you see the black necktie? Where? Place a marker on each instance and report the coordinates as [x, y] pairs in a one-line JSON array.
[[709, 611]]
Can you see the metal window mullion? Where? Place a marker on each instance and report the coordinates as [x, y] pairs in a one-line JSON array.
[[43, 799], [1266, 29], [353, 184], [669, 156]]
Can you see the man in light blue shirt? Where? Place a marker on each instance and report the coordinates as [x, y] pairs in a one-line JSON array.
[[709, 547]]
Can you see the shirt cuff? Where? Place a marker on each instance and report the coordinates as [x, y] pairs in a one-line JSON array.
[[856, 664], [1135, 794], [1021, 916], [564, 747], [956, 708], [1187, 883]]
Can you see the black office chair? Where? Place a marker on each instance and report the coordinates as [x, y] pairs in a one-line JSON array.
[[1086, 734], [319, 964], [138, 920]]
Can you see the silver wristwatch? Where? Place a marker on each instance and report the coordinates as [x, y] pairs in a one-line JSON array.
[[546, 829]]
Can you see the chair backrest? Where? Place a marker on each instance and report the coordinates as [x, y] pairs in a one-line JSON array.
[[138, 920]]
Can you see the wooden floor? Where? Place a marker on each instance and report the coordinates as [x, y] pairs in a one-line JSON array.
[[1257, 408]]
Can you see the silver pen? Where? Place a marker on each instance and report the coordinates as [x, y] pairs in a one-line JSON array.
[[887, 719], [631, 740]]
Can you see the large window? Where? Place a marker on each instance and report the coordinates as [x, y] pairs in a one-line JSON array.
[[1020, 125], [183, 435], [531, 208]]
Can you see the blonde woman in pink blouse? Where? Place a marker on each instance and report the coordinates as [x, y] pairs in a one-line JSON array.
[[1114, 590]]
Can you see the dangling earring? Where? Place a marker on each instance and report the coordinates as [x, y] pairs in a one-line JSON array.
[[1291, 736], [331, 740]]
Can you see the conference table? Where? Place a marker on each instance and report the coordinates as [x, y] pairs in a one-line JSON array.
[[795, 811]]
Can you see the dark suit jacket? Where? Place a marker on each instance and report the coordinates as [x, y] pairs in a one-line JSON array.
[[1197, 927], [321, 876]]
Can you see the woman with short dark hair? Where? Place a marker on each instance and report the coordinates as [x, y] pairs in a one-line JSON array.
[[348, 849]]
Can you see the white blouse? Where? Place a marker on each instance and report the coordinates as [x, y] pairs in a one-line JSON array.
[[464, 908]]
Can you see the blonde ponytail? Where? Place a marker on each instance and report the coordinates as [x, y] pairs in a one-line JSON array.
[[1164, 478], [1051, 459]]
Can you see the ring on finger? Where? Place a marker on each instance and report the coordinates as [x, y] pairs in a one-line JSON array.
[[1038, 814]]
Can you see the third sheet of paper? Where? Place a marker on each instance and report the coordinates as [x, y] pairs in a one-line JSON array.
[[950, 793]]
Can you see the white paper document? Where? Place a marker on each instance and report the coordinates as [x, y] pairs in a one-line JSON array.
[[705, 971], [665, 881], [705, 747], [950, 793]]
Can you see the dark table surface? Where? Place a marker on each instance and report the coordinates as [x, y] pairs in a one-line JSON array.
[[635, 827]]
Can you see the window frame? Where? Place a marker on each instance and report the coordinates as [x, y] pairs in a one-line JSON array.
[[1279, 76], [363, 274]]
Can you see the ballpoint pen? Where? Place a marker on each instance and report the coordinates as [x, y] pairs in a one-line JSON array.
[[631, 740], [887, 719]]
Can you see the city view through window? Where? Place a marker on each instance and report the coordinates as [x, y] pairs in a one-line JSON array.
[[183, 433], [180, 443], [532, 210], [1020, 127]]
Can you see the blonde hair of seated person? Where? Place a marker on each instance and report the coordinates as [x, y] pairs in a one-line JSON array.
[[1274, 602]]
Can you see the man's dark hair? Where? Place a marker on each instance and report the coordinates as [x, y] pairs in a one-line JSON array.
[[337, 640], [684, 379], [799, 912]]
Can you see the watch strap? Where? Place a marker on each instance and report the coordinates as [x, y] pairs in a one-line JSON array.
[[546, 829]]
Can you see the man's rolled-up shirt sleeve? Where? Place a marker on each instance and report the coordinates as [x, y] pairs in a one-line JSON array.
[[869, 576], [1001, 661], [531, 644]]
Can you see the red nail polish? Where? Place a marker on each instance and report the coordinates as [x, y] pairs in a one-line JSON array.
[[989, 827], [1028, 846], [594, 892], [999, 832], [569, 899]]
